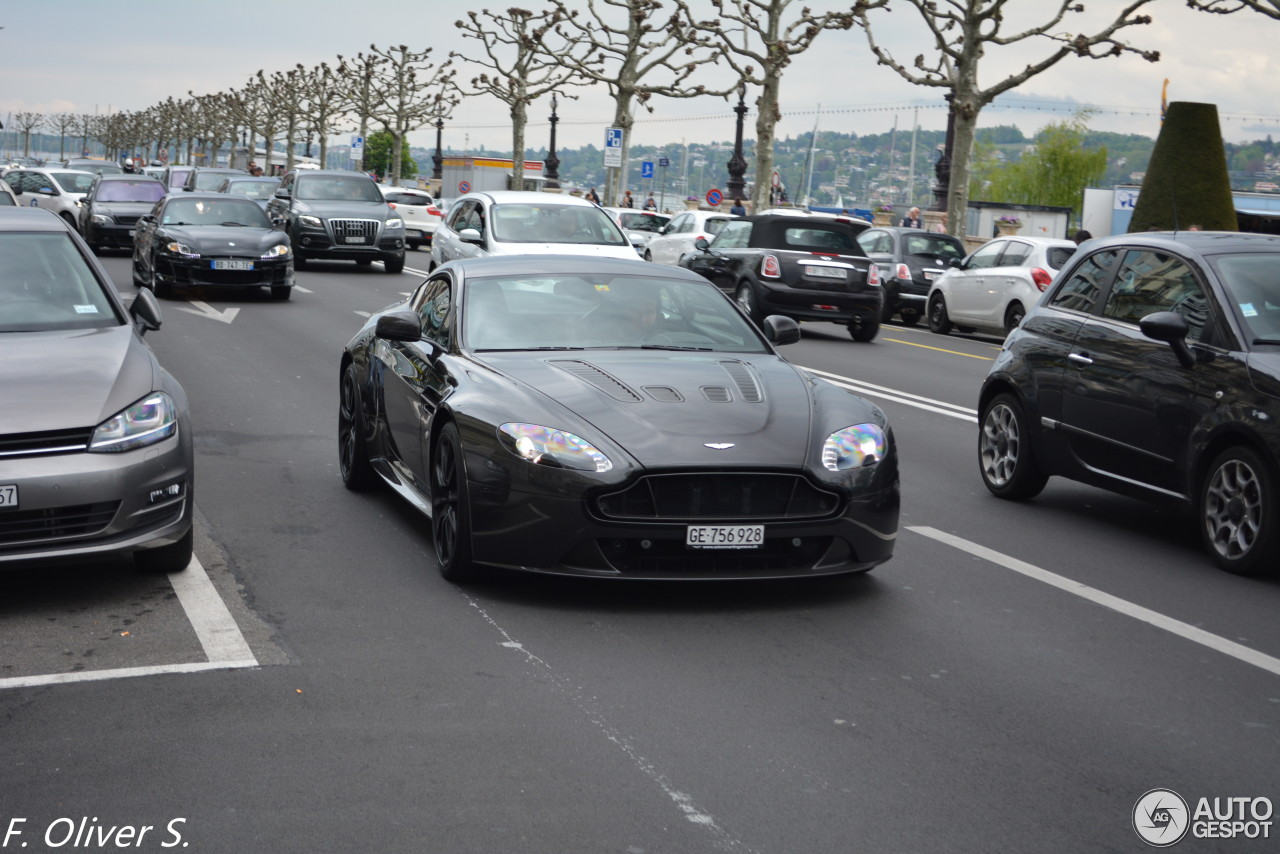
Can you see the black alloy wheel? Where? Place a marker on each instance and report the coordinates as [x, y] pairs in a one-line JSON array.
[[939, 321], [353, 451], [1005, 456], [451, 509], [1013, 316], [863, 328], [1238, 513]]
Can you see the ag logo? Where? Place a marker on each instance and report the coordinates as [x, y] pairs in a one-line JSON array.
[[1161, 817]]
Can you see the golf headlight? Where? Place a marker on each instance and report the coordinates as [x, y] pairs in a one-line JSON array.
[[176, 248], [395, 222], [556, 448], [312, 221], [103, 219], [275, 251], [150, 420], [852, 447]]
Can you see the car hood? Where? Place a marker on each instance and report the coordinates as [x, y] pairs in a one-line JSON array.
[[594, 250], [226, 240], [336, 209], [123, 208], [666, 408], [72, 378]]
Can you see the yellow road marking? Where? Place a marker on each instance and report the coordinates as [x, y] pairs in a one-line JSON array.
[[939, 349]]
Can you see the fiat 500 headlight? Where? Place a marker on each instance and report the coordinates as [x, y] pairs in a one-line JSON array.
[[150, 420], [852, 447], [549, 447], [275, 251]]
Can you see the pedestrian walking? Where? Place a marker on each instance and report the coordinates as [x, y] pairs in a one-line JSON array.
[[651, 204], [627, 201], [738, 209]]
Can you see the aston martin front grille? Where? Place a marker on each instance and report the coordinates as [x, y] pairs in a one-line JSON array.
[[715, 496]]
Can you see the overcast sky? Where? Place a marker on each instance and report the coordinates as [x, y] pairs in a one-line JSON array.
[[129, 55]]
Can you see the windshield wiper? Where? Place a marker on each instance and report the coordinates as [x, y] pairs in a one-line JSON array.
[[521, 349], [673, 347], [235, 224]]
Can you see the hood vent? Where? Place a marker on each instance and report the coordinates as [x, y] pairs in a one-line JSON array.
[[600, 379], [663, 394], [716, 394], [748, 388]]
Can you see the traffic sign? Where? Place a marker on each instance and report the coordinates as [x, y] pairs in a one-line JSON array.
[[464, 187], [612, 147], [664, 162], [357, 144], [714, 198], [646, 169]]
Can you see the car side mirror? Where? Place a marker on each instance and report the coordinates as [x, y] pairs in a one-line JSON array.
[[282, 194], [277, 222], [957, 263], [1171, 328], [145, 311], [779, 330], [471, 235], [400, 325], [702, 244]]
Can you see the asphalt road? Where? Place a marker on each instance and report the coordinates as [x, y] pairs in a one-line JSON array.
[[1013, 680]]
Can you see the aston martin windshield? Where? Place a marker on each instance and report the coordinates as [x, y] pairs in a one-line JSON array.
[[572, 311]]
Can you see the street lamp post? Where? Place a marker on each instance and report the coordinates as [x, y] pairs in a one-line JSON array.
[[437, 159], [942, 189], [553, 162], [738, 164]]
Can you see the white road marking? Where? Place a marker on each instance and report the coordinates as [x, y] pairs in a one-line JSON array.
[[927, 403], [1106, 600], [724, 841], [203, 309], [364, 313], [223, 644], [417, 272], [300, 289]]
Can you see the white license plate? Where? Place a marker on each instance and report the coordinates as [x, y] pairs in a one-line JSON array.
[[724, 536], [355, 239], [232, 265], [825, 272], [8, 495]]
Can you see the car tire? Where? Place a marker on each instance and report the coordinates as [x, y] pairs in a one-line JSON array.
[[353, 451], [174, 557], [281, 292], [162, 290], [70, 220], [939, 320], [133, 273], [746, 300], [863, 329], [910, 318], [1013, 316], [648, 256], [1237, 510], [299, 260], [451, 508], [394, 265], [1005, 456], [886, 314]]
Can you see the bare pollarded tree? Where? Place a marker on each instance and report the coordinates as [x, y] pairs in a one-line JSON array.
[[961, 32], [28, 123], [1270, 8], [518, 47], [760, 39], [325, 102], [357, 75], [411, 88], [62, 123], [626, 44]]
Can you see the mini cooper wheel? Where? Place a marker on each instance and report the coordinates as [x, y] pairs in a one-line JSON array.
[[1005, 458], [1238, 512], [939, 320], [353, 452], [864, 328], [451, 508], [747, 301]]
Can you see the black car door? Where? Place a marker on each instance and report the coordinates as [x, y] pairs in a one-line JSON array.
[[721, 261], [1129, 404], [414, 380]]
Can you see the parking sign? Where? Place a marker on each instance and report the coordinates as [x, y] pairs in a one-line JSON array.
[[612, 147], [646, 169]]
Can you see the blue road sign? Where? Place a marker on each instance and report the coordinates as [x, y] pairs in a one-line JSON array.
[[714, 197], [612, 147], [646, 169]]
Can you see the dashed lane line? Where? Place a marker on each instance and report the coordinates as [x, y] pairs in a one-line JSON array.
[[918, 401]]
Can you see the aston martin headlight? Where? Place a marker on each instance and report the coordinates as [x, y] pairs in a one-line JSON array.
[[313, 221], [150, 420], [176, 248], [103, 219], [275, 251], [852, 447], [548, 447], [395, 222]]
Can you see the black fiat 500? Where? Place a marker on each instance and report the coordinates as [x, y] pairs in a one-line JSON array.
[[1151, 367]]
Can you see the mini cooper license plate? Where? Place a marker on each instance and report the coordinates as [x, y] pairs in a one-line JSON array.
[[224, 264], [825, 272], [724, 536], [357, 238], [9, 495]]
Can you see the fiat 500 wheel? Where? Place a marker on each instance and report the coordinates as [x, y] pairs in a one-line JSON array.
[[1238, 513]]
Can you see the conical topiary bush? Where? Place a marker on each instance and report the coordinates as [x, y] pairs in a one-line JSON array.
[[1186, 181]]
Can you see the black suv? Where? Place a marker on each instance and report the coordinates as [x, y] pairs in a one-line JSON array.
[[111, 208], [337, 215], [806, 267], [1151, 367], [910, 260]]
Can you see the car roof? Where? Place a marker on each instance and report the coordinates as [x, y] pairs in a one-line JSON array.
[[1037, 241], [497, 265], [125, 176], [1204, 242], [257, 179], [205, 195], [498, 197], [31, 219]]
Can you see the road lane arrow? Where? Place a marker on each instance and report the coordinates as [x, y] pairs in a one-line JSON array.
[[203, 309]]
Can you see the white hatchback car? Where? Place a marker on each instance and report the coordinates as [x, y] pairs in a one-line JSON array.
[[994, 288], [679, 235], [512, 222], [418, 210], [55, 189]]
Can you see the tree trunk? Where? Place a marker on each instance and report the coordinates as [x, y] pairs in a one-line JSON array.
[[292, 129], [397, 155], [268, 143], [766, 123], [519, 118], [364, 140], [966, 127]]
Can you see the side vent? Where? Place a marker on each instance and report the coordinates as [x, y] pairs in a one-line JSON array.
[[663, 394], [716, 394], [748, 389], [601, 379]]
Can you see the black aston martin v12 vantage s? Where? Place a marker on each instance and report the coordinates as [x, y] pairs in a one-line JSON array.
[[610, 418]]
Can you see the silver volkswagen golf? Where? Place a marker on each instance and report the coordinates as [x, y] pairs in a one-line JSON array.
[[95, 436]]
